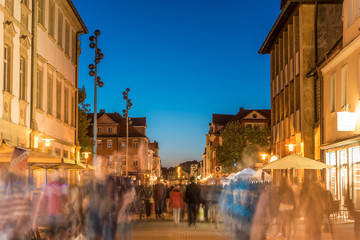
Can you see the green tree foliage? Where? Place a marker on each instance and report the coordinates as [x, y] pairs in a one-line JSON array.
[[241, 145], [84, 122]]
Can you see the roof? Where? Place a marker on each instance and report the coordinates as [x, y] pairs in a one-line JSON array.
[[221, 119], [287, 11], [77, 15], [154, 145], [139, 121], [244, 112], [116, 117]]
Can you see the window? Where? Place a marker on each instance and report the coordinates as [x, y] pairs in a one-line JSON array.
[[110, 129], [73, 111], [344, 86], [41, 12], [332, 93], [135, 163], [67, 38], [99, 129], [50, 94], [123, 159], [109, 160], [123, 144], [135, 144], [73, 47], [39, 88], [65, 154], [7, 68], [98, 144], [248, 125], [52, 18], [22, 92], [60, 28], [66, 104], [109, 143], [57, 151], [58, 99]]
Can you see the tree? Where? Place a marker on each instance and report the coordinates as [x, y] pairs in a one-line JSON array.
[[84, 122], [240, 146]]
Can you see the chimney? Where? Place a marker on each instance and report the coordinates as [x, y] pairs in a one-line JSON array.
[[102, 110]]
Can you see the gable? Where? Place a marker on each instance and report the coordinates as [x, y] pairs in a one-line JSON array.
[[105, 119], [255, 115]]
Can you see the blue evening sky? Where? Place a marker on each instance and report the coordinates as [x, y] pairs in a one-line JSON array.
[[183, 61]]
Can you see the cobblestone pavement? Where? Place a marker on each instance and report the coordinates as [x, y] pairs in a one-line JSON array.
[[165, 229]]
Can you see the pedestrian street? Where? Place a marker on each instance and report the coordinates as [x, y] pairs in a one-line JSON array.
[[165, 229]]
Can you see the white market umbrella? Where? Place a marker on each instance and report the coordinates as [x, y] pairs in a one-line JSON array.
[[295, 161], [258, 176], [244, 174]]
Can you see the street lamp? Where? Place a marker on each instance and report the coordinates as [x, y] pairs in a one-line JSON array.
[[126, 115], [98, 82]]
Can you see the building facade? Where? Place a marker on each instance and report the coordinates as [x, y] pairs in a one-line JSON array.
[[302, 34], [111, 145], [247, 118], [340, 98], [40, 52]]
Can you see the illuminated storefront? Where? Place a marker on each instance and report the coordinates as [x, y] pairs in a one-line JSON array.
[[343, 180]]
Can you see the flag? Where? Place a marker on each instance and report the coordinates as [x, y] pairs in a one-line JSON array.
[[19, 158]]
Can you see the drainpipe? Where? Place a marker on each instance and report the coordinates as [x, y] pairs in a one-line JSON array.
[[316, 58], [77, 83], [33, 70]]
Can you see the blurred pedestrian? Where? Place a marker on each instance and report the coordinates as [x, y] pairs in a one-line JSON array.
[[159, 196], [124, 218], [213, 201], [192, 198], [176, 202], [148, 196], [313, 197], [182, 190], [286, 207], [56, 201], [108, 209], [204, 194], [356, 215]]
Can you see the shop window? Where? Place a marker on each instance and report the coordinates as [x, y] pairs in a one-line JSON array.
[[109, 143]]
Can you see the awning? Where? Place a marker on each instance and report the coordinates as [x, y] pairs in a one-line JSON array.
[[295, 161]]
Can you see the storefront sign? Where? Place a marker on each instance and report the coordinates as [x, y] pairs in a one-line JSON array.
[[346, 121]]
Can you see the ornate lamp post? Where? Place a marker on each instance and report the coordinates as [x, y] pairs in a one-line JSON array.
[[126, 115], [98, 82]]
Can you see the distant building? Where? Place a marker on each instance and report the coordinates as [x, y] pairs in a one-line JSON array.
[[154, 162], [111, 145], [247, 118]]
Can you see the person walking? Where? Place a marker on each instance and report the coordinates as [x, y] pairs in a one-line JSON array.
[[176, 202], [286, 208], [192, 198], [159, 195], [148, 197], [127, 196]]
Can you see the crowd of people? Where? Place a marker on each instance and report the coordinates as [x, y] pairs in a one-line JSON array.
[[104, 209]]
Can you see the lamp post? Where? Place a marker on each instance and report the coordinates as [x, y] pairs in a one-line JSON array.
[[126, 115], [98, 82]]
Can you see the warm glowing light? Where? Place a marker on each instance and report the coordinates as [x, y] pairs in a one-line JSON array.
[[86, 155], [263, 156], [47, 142], [291, 147]]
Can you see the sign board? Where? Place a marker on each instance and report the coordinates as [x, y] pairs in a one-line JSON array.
[[218, 169], [218, 176], [346, 121]]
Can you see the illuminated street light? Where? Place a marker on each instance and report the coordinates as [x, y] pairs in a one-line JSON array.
[[263, 156], [126, 115], [291, 147], [93, 73]]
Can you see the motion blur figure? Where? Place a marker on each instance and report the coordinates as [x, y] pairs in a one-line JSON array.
[[54, 202], [176, 202], [286, 208], [192, 198], [124, 220], [314, 201], [15, 213]]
